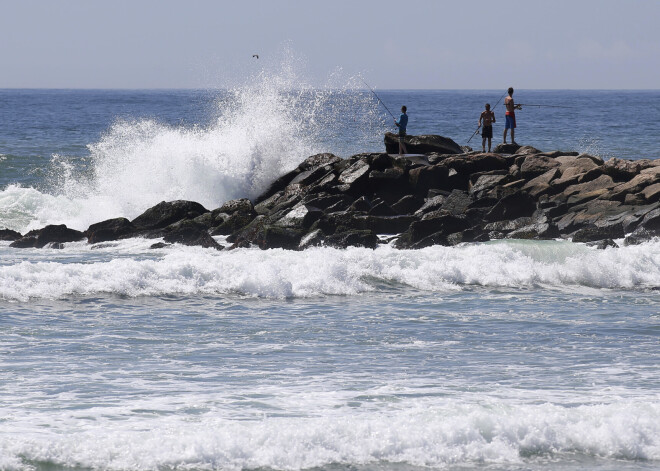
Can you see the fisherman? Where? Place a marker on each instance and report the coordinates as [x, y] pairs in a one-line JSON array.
[[510, 115], [402, 123], [487, 117]]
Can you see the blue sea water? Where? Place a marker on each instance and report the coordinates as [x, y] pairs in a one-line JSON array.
[[507, 355]]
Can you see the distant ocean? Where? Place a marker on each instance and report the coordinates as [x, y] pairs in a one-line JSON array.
[[506, 355]]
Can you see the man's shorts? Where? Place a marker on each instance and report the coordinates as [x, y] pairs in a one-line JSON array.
[[510, 122], [402, 136], [487, 132]]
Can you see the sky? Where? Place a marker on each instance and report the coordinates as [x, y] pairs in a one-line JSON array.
[[411, 44]]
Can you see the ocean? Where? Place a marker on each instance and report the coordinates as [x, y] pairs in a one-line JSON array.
[[505, 355]]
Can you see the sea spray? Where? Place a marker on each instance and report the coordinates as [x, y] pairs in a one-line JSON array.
[[261, 130]]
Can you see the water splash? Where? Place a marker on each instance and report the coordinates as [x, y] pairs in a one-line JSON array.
[[260, 130]]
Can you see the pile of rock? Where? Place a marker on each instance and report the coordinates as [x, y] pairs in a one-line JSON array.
[[444, 198]]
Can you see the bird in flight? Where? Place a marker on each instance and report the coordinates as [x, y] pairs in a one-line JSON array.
[[256, 55]]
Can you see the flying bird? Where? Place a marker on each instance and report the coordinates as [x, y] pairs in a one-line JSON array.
[[256, 55]]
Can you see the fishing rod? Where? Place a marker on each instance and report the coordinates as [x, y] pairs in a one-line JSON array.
[[381, 101], [545, 106], [492, 109]]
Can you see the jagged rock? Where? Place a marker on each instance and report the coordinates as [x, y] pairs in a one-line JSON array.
[[424, 144], [431, 204], [361, 204], [276, 237], [538, 230], [603, 244], [408, 204], [111, 229], [354, 179], [512, 206], [159, 245], [594, 233], [315, 238], [443, 223], [8, 234], [54, 233], [422, 179], [166, 213], [621, 169], [639, 236], [484, 183], [387, 224], [381, 208], [188, 232], [301, 216], [635, 185], [232, 222], [506, 148], [353, 238], [457, 202], [535, 165]]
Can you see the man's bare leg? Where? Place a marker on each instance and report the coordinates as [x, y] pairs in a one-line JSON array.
[[513, 141], [489, 143], [504, 138], [483, 144]]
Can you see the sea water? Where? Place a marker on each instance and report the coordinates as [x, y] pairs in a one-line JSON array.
[[506, 355]]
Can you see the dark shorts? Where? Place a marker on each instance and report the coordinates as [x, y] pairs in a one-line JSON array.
[[510, 122], [402, 136], [487, 132]]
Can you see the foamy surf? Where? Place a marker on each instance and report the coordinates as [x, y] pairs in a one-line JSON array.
[[448, 432], [276, 274]]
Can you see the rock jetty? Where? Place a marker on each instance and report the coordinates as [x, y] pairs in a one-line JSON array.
[[443, 195]]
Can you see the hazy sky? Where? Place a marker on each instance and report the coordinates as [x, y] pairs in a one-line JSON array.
[[393, 44]]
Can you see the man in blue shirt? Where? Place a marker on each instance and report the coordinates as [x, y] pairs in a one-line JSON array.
[[402, 123]]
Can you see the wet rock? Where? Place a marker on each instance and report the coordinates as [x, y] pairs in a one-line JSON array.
[[594, 233], [603, 244], [190, 233], [353, 238], [166, 213], [8, 234], [111, 229], [354, 179], [55, 233]]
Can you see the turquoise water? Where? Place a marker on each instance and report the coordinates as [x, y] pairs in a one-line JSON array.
[[508, 355]]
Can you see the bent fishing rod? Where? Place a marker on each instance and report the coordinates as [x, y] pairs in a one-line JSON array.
[[381, 101], [492, 109]]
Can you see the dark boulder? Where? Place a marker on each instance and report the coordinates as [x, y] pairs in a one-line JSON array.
[[110, 229], [51, 234], [353, 238], [424, 144], [518, 204], [594, 233], [422, 179], [166, 213], [188, 232], [8, 234]]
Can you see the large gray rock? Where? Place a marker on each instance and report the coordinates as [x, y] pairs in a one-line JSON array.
[[425, 144]]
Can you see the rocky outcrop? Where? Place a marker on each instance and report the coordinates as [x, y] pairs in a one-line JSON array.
[[8, 234], [425, 144], [442, 196], [52, 235]]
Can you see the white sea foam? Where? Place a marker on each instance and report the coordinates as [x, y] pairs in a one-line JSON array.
[[262, 129], [326, 271], [450, 431]]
